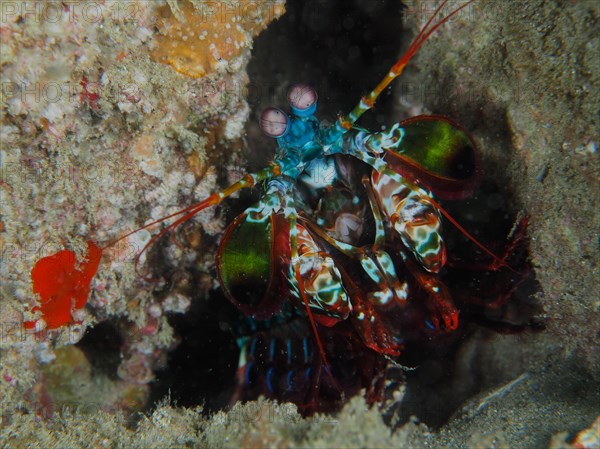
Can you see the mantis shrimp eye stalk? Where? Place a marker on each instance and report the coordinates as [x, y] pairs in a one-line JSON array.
[[274, 122], [302, 99]]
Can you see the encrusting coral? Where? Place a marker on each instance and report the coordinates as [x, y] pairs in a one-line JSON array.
[[198, 38], [96, 138]]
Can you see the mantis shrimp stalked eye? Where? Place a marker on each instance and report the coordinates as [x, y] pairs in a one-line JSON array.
[[303, 100], [274, 122]]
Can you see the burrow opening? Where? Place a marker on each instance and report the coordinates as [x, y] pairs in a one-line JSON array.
[[342, 48]]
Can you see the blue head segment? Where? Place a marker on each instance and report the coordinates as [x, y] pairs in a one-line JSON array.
[[303, 100], [274, 122]]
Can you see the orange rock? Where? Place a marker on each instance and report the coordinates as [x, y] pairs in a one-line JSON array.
[[210, 33]]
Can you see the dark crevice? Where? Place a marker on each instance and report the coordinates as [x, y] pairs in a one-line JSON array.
[[102, 346], [201, 369]]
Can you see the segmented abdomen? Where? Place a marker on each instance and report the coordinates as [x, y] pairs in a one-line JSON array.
[[282, 361]]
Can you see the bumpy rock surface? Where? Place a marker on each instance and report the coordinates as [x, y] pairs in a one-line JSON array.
[[99, 133], [98, 136]]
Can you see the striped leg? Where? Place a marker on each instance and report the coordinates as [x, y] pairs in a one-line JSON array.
[[418, 223], [319, 271], [249, 180], [439, 301], [376, 263], [347, 121], [314, 277], [391, 287], [409, 211], [367, 309]]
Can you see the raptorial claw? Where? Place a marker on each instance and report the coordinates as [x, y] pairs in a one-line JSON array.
[[443, 311], [444, 319], [375, 334], [451, 320]]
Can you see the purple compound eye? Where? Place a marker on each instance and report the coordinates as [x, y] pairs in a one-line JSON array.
[[303, 99], [274, 122]]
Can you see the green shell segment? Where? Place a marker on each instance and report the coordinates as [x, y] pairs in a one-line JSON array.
[[433, 152], [439, 146], [245, 260]]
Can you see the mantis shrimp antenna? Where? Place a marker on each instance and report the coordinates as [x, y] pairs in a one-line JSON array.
[[347, 121], [186, 214]]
